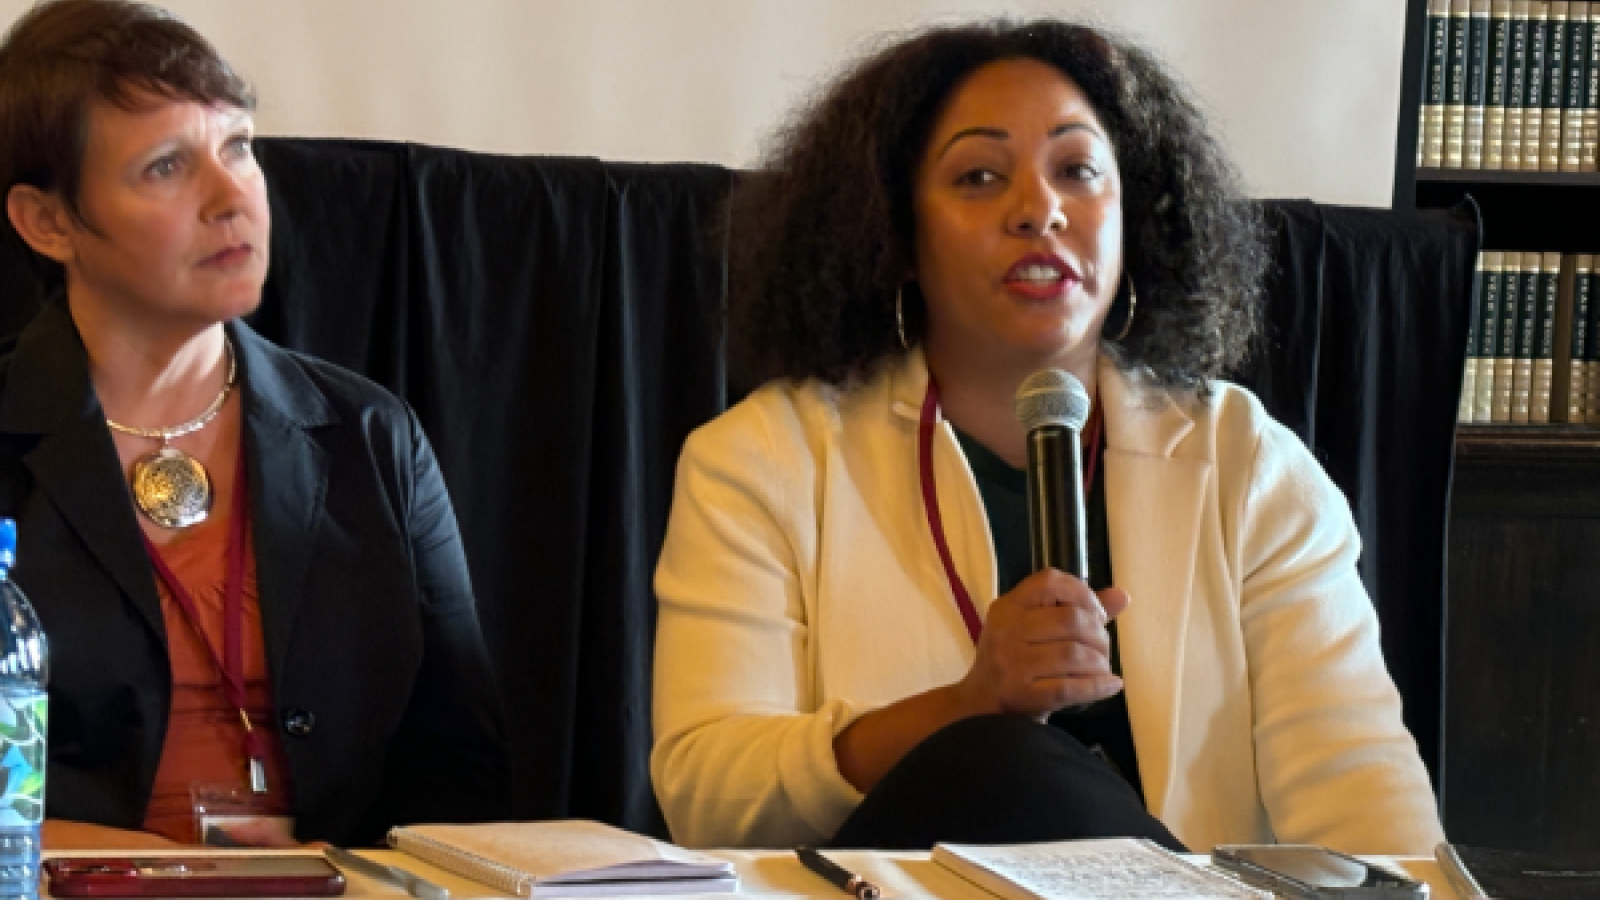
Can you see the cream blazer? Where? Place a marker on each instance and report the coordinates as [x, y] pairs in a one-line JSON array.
[[799, 588]]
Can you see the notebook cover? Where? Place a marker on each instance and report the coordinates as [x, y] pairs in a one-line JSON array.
[[1519, 875]]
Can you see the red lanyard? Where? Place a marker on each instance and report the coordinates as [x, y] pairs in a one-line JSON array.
[[230, 664], [930, 499]]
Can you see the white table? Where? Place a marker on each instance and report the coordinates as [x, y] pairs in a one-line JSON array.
[[915, 875], [770, 873]]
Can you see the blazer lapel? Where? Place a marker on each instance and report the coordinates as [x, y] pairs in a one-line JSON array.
[[1154, 504], [48, 395], [288, 475]]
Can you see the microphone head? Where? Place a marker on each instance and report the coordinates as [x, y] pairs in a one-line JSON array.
[[1051, 397]]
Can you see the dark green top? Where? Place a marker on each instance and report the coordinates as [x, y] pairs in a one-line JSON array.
[[1101, 726]]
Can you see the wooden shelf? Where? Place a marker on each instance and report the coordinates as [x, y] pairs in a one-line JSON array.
[[1475, 437], [1519, 733], [1507, 177]]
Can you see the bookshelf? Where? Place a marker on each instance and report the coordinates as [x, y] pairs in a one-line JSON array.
[[1521, 744]]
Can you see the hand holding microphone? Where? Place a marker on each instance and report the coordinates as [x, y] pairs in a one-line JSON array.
[[1044, 644]]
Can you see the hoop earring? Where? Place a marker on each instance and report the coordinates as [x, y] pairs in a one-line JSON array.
[[900, 318], [1133, 306]]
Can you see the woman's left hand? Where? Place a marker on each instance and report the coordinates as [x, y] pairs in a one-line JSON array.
[[1043, 647]]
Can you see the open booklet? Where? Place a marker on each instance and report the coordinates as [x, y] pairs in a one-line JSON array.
[[568, 858], [1105, 869]]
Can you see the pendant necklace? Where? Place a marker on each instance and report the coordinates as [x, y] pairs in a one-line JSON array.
[[171, 487]]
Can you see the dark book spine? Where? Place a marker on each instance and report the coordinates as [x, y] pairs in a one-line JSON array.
[[1555, 69], [1487, 326], [1527, 318], [1469, 374], [1506, 338], [1592, 389], [1494, 101], [1516, 84], [1455, 85], [1578, 369], [1476, 88], [1544, 340], [1589, 140], [1574, 87], [1533, 83], [1430, 133]]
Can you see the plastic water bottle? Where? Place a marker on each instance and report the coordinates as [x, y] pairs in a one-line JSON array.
[[24, 671]]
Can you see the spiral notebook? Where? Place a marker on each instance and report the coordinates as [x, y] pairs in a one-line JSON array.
[[567, 858], [1099, 869]]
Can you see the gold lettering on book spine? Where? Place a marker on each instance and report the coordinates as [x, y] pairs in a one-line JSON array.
[[1505, 338], [1469, 375], [1542, 378], [1522, 360], [1573, 86], [1455, 110], [1476, 66], [1431, 140], [1488, 321], [1555, 55], [1589, 137], [1577, 368], [1516, 89], [1533, 105], [1494, 122]]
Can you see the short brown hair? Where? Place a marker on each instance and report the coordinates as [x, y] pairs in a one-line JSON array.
[[62, 56]]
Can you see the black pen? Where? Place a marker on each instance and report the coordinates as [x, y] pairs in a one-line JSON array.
[[837, 876], [414, 885]]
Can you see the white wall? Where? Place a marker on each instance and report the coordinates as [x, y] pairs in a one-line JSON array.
[[1305, 92]]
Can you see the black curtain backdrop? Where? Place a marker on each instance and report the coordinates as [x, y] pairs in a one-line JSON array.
[[555, 323], [1362, 358]]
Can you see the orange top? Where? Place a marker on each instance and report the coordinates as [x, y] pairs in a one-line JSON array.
[[205, 739]]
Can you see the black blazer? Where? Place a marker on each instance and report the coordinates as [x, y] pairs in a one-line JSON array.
[[386, 703]]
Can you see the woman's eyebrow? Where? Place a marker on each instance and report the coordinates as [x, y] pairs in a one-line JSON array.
[[237, 120], [1065, 127], [1001, 134], [987, 131]]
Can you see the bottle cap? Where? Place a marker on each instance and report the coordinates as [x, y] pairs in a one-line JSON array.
[[8, 543]]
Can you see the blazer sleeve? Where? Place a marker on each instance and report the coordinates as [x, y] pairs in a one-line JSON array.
[[447, 761], [743, 753], [1335, 763]]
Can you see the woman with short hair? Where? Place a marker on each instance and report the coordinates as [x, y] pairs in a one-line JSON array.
[[245, 559]]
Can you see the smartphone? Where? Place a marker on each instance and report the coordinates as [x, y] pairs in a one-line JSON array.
[[1313, 873], [217, 875]]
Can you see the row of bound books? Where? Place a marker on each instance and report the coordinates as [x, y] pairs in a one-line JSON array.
[[1531, 352], [1511, 84]]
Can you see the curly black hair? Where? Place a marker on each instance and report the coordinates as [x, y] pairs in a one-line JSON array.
[[822, 235]]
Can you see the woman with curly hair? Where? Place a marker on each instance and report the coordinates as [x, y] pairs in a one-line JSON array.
[[852, 644]]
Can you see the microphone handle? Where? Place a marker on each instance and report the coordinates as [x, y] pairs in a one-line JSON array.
[[1056, 522]]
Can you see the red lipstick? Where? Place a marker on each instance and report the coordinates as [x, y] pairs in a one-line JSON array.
[[1041, 276]]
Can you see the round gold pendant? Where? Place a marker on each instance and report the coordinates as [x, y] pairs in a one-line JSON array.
[[172, 488]]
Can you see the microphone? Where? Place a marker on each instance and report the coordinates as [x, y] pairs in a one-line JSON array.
[[1053, 406]]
